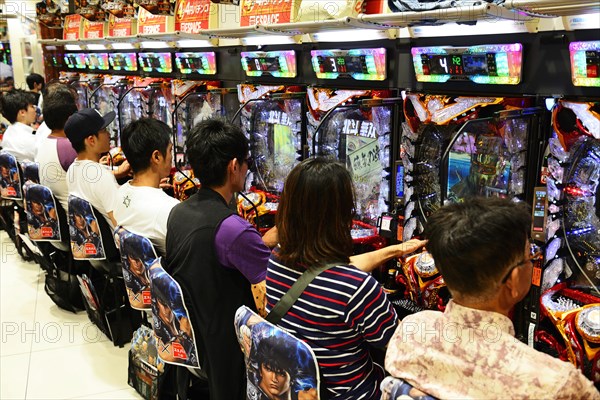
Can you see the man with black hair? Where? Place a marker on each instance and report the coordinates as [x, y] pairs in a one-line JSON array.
[[215, 255], [35, 83], [482, 250], [141, 206], [86, 177], [54, 152], [19, 109]]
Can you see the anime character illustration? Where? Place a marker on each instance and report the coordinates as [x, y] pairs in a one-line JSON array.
[[137, 255], [42, 219], [84, 230], [9, 177], [172, 327], [278, 366]]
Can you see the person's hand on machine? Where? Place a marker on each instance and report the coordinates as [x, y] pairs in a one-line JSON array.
[[369, 261], [122, 170]]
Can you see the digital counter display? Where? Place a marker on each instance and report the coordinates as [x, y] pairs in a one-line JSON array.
[[360, 64], [280, 64], [75, 60], [199, 63], [155, 62], [123, 61], [585, 63], [97, 61], [487, 64], [344, 64]]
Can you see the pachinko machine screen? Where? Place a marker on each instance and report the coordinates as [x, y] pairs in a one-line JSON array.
[[75, 60], [155, 62], [280, 64], [585, 63], [196, 63], [97, 61], [360, 64], [498, 64], [123, 61]]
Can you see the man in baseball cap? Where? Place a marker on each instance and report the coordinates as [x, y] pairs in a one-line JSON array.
[[86, 177]]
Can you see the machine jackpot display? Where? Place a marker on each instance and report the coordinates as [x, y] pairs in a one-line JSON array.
[[569, 323], [97, 62], [455, 147], [271, 116], [356, 128]]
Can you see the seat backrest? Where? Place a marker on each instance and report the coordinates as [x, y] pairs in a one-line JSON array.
[[84, 229], [43, 222], [31, 172], [171, 323], [396, 388], [11, 182], [137, 255], [270, 350]]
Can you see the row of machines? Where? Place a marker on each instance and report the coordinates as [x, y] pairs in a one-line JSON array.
[[410, 152]]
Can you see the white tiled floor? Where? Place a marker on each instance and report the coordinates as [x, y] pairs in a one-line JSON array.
[[49, 353]]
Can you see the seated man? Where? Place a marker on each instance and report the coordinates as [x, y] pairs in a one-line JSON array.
[[55, 153], [19, 109], [141, 206], [469, 351], [86, 177]]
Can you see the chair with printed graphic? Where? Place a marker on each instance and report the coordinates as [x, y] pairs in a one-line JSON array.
[[105, 297], [396, 388], [268, 348], [173, 329]]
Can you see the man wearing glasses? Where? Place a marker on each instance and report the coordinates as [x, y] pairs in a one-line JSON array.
[[482, 250]]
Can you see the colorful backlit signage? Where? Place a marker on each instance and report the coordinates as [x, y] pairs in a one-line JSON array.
[[585, 63], [360, 64], [196, 63], [280, 64]]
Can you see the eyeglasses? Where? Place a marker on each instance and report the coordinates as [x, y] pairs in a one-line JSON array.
[[536, 254]]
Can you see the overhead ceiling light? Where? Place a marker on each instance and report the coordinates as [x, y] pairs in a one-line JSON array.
[[192, 43], [267, 40], [93, 46], [350, 35], [122, 46], [72, 47], [154, 45]]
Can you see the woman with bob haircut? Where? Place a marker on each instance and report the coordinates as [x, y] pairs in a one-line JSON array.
[[344, 309]]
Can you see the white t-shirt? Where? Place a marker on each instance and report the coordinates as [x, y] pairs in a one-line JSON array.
[[51, 171], [95, 183], [42, 132], [144, 210], [20, 141]]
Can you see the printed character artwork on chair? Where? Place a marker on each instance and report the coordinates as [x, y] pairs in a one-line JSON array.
[[42, 219], [278, 366], [174, 333], [137, 255], [10, 178], [86, 241]]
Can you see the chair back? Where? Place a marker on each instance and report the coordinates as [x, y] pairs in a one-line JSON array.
[[84, 230], [171, 323], [31, 172], [396, 388], [11, 182], [267, 347], [137, 255], [43, 222]]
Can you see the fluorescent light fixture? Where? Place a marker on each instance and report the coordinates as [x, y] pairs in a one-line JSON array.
[[267, 40], [350, 35], [122, 46], [481, 28], [71, 47], [154, 45], [190, 43], [96, 46]]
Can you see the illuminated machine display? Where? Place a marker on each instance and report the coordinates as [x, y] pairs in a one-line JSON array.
[[356, 127], [271, 116], [455, 147], [570, 302]]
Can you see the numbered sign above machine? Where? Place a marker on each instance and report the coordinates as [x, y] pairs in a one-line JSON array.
[[97, 61], [75, 60], [280, 64], [196, 63], [360, 64], [585, 63], [156, 62], [496, 64], [123, 61]]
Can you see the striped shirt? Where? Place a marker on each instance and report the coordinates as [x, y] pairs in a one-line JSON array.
[[340, 313]]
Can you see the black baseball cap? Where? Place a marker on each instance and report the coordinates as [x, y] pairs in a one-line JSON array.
[[87, 122]]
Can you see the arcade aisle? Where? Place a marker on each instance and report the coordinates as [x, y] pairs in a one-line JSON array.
[[49, 353]]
